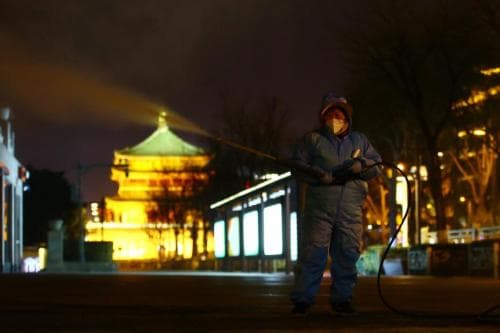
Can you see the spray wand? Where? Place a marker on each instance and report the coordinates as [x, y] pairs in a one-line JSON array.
[[283, 162], [184, 124]]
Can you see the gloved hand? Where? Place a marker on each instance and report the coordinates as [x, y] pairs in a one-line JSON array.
[[347, 170], [323, 176], [343, 170], [327, 178], [357, 166]]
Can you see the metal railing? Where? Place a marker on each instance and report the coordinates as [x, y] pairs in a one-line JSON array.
[[464, 236], [489, 233]]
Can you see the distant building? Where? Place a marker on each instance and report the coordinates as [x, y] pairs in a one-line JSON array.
[[12, 176], [151, 217]]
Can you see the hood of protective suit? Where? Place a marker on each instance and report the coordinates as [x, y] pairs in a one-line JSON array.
[[331, 101]]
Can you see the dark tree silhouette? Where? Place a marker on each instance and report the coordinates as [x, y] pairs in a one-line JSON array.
[[180, 210], [48, 197]]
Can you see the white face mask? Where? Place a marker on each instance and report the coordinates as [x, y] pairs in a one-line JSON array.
[[337, 126]]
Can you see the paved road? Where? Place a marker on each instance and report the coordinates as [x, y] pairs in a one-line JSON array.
[[184, 302]]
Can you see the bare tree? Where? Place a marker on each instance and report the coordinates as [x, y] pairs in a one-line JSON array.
[[180, 207], [476, 167], [261, 124], [477, 125], [420, 57], [165, 212], [488, 13]]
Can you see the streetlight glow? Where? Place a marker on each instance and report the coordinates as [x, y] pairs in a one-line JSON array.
[[490, 71], [479, 132], [471, 154]]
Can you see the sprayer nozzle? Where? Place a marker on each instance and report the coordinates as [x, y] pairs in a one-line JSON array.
[[356, 153]]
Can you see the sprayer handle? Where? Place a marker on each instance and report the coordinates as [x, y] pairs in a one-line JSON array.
[[306, 169]]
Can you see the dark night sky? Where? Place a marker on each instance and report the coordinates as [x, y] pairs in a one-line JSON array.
[[184, 54]]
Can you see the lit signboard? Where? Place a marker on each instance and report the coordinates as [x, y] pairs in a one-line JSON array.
[[293, 236], [251, 233], [233, 236], [273, 230], [219, 239]]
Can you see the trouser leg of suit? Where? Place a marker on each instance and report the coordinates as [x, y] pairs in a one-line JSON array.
[[345, 251], [309, 275], [317, 234]]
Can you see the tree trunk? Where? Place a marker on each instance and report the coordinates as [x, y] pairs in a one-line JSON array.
[[435, 181], [176, 232], [194, 239], [481, 216]]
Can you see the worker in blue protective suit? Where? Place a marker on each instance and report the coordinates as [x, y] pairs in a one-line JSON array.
[[332, 221]]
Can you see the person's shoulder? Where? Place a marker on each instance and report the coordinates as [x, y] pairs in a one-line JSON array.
[[359, 135], [359, 138], [312, 136]]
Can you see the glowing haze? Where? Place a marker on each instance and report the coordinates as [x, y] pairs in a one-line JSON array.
[[56, 93], [84, 78]]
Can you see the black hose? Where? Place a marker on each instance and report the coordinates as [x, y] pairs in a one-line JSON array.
[[484, 316]]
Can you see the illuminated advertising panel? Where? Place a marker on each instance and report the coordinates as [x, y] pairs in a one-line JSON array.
[[273, 230], [293, 236], [233, 236], [251, 233], [219, 239], [402, 199]]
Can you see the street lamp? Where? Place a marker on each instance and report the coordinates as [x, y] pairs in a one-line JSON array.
[[420, 174]]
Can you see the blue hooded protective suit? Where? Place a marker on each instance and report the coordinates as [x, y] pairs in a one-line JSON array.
[[332, 221]]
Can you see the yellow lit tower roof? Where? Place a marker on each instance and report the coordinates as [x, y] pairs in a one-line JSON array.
[[161, 156], [162, 142]]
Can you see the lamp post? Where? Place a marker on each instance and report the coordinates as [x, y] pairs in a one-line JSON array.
[[416, 238], [81, 171], [419, 172]]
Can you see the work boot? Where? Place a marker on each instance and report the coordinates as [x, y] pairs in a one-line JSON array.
[[343, 308], [300, 309]]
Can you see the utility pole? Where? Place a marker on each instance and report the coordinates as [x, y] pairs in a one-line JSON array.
[[81, 240], [418, 185]]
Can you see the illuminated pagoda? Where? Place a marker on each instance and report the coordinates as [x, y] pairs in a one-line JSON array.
[[152, 216]]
